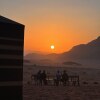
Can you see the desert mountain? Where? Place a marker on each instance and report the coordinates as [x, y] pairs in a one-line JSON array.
[[89, 52]]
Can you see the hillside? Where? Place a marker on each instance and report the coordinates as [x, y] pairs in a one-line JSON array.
[[87, 51], [88, 54]]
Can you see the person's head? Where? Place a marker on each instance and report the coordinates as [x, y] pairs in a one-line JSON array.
[[58, 71], [39, 71], [43, 71], [64, 71]]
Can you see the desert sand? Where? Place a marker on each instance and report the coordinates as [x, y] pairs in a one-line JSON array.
[[88, 91]]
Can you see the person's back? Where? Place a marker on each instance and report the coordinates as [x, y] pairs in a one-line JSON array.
[[39, 77], [44, 76], [58, 77], [64, 77]]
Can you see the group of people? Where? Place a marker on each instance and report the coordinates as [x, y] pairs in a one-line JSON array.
[[41, 78], [61, 77]]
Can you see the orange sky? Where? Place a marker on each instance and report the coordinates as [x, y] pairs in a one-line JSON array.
[[63, 23], [63, 32]]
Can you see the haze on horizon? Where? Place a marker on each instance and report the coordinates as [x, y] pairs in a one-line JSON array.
[[62, 23]]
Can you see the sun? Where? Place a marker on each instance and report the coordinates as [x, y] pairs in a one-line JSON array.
[[52, 47]]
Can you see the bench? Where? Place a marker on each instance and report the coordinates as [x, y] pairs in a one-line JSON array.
[[73, 80]]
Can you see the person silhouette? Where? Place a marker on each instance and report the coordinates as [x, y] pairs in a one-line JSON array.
[[39, 77], [44, 76], [64, 78], [58, 77]]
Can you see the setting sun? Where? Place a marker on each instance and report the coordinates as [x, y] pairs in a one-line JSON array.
[[61, 23], [52, 47]]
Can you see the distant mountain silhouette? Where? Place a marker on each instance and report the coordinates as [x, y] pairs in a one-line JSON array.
[[90, 50], [84, 52], [34, 56], [71, 63], [37, 56], [40, 59]]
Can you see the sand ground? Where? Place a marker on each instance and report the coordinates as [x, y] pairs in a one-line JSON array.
[[88, 91], [61, 93]]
